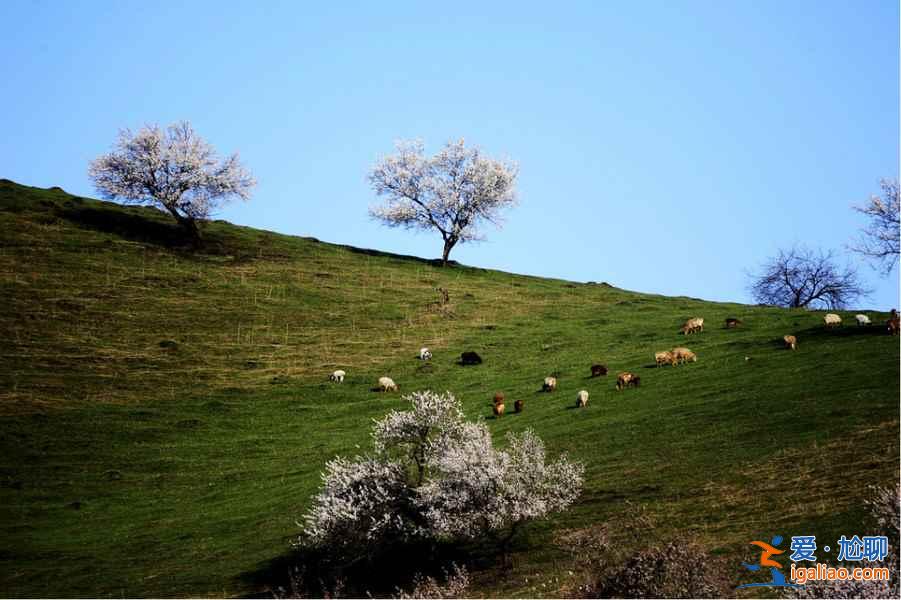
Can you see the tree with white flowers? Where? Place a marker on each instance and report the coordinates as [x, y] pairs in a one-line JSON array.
[[452, 192], [175, 170], [433, 475], [880, 240]]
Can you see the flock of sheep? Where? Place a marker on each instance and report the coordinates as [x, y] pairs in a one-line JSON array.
[[626, 379]]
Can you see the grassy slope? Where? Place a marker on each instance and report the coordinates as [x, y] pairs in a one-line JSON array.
[[128, 468]]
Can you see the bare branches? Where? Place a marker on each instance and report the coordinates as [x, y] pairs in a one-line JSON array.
[[800, 277], [879, 240], [450, 192], [175, 170]]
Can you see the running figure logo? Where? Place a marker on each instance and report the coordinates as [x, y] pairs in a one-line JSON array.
[[778, 579]]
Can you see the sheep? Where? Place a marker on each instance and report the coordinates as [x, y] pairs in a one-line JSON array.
[[386, 384], [862, 320], [337, 376], [731, 323], [832, 320], [550, 384], [498, 409], [598, 370], [518, 405], [663, 357], [470, 358], [693, 325], [625, 379], [681, 355], [499, 398], [893, 325], [791, 342], [425, 354], [582, 399]]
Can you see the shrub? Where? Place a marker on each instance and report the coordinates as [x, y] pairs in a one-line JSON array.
[[456, 584], [884, 508], [434, 476], [675, 570]]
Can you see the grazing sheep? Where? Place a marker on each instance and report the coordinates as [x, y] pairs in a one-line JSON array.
[[663, 357], [732, 323], [893, 325], [791, 342], [337, 376], [625, 379], [862, 320], [386, 384], [693, 325], [470, 358], [425, 354], [499, 398], [549, 385], [498, 409], [582, 399], [832, 320], [518, 406], [681, 355], [598, 370]]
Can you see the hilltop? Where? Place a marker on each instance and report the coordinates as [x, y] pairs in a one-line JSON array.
[[166, 415]]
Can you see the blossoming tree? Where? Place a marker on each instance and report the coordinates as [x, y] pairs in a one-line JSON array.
[[175, 169], [451, 192], [432, 475]]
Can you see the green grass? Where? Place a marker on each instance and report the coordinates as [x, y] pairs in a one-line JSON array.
[[165, 414]]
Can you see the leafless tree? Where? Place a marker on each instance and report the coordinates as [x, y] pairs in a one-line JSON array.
[[879, 240], [800, 277], [175, 169]]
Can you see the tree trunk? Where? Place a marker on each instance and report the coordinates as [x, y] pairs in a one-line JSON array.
[[449, 244], [190, 227]]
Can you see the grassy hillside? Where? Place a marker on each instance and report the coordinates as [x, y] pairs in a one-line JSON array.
[[165, 415]]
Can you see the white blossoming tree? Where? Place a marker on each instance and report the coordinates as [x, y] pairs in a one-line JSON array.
[[452, 192], [175, 170], [433, 475], [880, 241]]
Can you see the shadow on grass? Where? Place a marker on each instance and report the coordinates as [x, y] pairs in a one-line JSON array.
[[127, 224], [846, 331], [313, 573]]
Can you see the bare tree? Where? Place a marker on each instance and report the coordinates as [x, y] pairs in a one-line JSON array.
[[451, 192], [175, 170], [879, 241], [800, 277]]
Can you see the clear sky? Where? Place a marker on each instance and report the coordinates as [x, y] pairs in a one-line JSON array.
[[663, 146]]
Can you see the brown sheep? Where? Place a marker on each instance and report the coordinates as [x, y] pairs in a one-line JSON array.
[[665, 357], [731, 323], [893, 326], [499, 398], [518, 406], [791, 342], [682, 355], [626, 379], [598, 370], [693, 325], [499, 410]]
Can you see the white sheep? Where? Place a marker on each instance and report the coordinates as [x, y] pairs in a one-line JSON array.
[[862, 320], [337, 376], [425, 354], [831, 320], [550, 384], [582, 399], [386, 384]]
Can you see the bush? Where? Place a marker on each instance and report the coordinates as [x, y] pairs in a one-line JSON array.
[[675, 570], [456, 584], [434, 476], [884, 508]]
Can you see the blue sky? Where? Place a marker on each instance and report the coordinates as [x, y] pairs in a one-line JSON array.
[[663, 146]]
